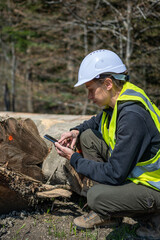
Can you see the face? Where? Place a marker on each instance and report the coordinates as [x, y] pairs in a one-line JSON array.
[[98, 93]]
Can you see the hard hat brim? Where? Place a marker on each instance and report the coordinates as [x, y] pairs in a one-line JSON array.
[[81, 83]]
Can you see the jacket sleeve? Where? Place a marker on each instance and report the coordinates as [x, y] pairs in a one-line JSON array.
[[132, 140], [92, 123]]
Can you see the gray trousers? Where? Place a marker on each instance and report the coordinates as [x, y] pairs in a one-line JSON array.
[[128, 199]]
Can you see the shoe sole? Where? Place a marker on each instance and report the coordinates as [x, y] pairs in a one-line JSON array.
[[98, 226]]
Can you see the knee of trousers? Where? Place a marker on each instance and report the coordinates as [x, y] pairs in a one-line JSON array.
[[100, 199], [94, 198], [85, 136]]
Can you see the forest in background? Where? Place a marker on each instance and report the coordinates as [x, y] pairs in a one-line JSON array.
[[42, 43]]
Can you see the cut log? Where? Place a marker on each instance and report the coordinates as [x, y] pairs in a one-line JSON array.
[[21, 147], [26, 190], [30, 188], [22, 181]]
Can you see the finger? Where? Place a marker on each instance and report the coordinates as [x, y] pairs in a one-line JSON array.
[[73, 143], [69, 144], [65, 136], [63, 139], [59, 147], [63, 143]]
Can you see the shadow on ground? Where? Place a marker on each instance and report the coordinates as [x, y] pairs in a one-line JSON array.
[[125, 231]]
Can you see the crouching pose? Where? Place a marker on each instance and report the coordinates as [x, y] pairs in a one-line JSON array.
[[120, 148]]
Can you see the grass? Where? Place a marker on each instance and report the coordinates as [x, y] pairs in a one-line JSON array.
[[91, 235], [59, 233], [18, 231], [88, 234], [35, 221], [53, 230]]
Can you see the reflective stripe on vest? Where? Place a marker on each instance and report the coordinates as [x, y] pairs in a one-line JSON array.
[[151, 106], [139, 170], [148, 172]]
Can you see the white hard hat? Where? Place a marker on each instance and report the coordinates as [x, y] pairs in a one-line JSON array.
[[98, 62]]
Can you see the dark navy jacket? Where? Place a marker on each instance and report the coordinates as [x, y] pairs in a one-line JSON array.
[[137, 139]]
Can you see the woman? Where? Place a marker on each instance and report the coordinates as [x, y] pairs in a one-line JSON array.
[[120, 147]]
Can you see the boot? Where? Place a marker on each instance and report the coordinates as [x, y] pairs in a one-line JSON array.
[[91, 220], [86, 185], [151, 229]]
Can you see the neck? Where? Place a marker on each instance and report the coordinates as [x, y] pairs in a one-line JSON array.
[[114, 96]]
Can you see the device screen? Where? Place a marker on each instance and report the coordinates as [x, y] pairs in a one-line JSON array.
[[50, 138]]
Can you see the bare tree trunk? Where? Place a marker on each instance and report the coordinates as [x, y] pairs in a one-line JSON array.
[[6, 97], [13, 62], [29, 90], [94, 39], [70, 65], [86, 52], [144, 78], [94, 28], [128, 46], [13, 95], [121, 45]]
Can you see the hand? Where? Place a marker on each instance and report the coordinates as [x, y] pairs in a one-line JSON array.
[[63, 151], [68, 139]]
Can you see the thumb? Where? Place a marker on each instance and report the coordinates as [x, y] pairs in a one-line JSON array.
[[59, 146]]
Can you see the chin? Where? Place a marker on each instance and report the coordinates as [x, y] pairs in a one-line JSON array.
[[99, 104]]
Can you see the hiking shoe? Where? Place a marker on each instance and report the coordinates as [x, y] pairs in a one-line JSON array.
[[151, 229], [92, 220]]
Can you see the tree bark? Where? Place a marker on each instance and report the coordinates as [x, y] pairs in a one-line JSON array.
[[6, 97], [29, 90], [85, 53], [128, 44], [13, 95]]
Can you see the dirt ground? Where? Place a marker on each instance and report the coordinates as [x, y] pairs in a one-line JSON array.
[[54, 220]]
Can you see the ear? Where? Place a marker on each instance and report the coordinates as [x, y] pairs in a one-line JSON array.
[[108, 83]]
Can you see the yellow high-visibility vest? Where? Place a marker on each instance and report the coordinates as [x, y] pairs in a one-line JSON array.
[[148, 172]]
